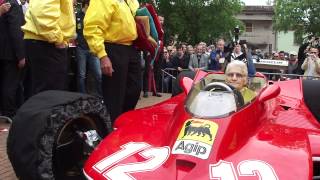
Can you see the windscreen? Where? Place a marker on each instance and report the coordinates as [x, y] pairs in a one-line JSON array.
[[210, 104]]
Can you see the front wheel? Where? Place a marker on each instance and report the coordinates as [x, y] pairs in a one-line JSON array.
[[54, 132]]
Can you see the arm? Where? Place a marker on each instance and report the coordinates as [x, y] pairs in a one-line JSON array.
[[97, 20], [15, 19], [304, 66], [190, 66], [45, 15], [317, 65]]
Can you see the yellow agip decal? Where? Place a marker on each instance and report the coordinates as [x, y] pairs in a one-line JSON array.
[[199, 130]]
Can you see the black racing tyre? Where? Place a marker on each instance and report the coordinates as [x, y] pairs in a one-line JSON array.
[[44, 140]]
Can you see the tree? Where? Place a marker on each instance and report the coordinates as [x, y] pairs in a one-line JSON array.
[[302, 16], [198, 20]]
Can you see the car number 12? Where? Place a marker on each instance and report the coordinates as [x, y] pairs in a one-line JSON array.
[[155, 157], [224, 170], [111, 169]]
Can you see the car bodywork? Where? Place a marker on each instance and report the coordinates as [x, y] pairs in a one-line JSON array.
[[273, 137]]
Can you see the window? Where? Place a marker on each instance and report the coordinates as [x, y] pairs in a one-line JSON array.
[[249, 27]]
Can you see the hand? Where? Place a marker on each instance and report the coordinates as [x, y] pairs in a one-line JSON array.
[[21, 63], [217, 57], [106, 66], [244, 46], [179, 69], [5, 7], [195, 69], [61, 46]]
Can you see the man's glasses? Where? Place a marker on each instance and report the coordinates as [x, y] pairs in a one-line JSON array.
[[237, 75]]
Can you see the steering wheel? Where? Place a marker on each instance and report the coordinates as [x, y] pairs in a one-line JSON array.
[[226, 87], [217, 86]]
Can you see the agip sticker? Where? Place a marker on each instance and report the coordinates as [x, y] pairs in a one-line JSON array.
[[196, 138]]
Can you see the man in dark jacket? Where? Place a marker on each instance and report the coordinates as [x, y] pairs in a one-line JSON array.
[[12, 57]]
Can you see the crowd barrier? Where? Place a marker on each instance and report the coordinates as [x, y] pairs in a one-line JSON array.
[[173, 73]]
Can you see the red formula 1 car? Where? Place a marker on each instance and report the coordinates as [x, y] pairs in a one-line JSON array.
[[205, 133]]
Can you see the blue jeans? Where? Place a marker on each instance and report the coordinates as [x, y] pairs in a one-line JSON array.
[[84, 58], [251, 66]]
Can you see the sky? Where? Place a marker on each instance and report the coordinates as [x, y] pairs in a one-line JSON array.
[[255, 2]]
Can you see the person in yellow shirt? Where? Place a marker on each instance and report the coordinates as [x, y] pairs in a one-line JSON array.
[[50, 24], [110, 29], [237, 76]]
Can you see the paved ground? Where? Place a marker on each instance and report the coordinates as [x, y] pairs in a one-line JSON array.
[[6, 171]]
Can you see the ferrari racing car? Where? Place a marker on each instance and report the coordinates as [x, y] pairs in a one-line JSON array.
[[207, 132]]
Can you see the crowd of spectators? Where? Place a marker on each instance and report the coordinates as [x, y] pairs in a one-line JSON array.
[[186, 57]]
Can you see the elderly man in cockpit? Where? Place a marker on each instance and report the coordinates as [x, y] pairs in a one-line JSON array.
[[237, 76]]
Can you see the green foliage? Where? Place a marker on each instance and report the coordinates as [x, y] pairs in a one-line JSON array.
[[198, 20], [302, 16]]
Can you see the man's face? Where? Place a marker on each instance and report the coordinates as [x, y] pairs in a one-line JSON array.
[[161, 19], [190, 50], [281, 56], [236, 78], [184, 48], [220, 45], [237, 48], [165, 53], [199, 49], [314, 52], [180, 51], [292, 58]]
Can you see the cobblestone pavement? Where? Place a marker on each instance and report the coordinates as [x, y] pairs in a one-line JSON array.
[[6, 171]]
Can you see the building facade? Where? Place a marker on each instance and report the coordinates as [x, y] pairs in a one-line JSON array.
[[258, 31]]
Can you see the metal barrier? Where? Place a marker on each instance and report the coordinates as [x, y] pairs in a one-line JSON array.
[[173, 73], [168, 72], [292, 75]]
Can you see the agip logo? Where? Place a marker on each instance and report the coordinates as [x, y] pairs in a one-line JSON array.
[[196, 138]]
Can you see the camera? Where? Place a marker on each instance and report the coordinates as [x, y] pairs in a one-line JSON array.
[[236, 30]]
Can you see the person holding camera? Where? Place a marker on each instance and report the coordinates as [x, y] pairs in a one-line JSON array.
[[217, 56], [311, 64], [242, 53]]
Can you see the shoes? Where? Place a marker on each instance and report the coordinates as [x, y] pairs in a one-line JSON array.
[[145, 94], [157, 94]]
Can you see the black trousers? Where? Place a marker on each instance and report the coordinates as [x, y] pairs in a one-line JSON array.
[[121, 91], [48, 65], [145, 76], [9, 83]]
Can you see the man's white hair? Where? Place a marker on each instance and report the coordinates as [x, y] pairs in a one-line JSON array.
[[240, 64]]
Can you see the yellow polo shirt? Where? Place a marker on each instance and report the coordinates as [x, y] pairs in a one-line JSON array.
[[247, 94], [50, 20], [110, 21]]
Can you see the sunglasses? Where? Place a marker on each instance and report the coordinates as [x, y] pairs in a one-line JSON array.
[[237, 75]]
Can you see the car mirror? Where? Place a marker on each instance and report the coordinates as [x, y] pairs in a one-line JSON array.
[[270, 92], [186, 84]]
